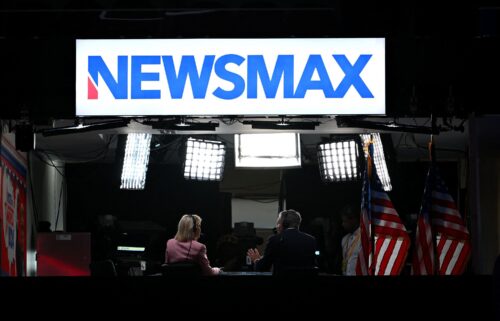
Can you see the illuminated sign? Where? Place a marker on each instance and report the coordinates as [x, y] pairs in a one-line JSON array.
[[230, 77]]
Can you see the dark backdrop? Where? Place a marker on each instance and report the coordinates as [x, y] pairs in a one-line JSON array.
[[94, 189], [429, 49]]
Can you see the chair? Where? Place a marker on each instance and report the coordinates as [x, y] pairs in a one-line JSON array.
[[181, 269], [103, 268]]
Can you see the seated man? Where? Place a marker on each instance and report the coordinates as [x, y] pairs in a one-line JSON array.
[[289, 251]]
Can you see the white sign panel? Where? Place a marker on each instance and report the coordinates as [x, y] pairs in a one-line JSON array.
[[153, 77]]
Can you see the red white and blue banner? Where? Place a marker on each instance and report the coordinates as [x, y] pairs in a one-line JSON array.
[[292, 76], [12, 210]]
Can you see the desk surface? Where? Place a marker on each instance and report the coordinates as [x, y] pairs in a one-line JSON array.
[[244, 273]]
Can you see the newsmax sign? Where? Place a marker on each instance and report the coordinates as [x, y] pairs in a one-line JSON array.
[[153, 77]]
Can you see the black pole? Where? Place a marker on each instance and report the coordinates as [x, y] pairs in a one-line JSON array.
[[282, 196], [432, 150], [432, 183], [372, 268]]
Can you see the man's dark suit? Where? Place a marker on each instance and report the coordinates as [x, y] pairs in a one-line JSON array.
[[289, 252]]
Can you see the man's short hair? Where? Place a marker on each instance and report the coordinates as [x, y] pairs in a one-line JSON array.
[[290, 218]]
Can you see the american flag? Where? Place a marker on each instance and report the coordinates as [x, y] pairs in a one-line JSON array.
[[424, 255], [452, 245], [365, 252], [385, 253]]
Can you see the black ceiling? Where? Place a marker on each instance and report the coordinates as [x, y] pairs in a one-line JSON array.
[[431, 51]]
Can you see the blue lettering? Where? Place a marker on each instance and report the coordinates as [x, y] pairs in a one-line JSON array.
[[223, 73], [119, 88], [352, 76], [306, 83], [257, 73], [283, 68], [138, 76], [177, 82]]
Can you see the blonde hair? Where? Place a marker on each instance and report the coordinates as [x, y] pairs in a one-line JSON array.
[[189, 228]]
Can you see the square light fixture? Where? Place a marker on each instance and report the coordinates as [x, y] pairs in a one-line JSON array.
[[204, 159], [135, 162], [339, 161]]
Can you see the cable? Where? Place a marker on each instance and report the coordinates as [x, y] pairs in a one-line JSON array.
[[99, 156], [52, 163], [229, 144], [229, 122], [59, 203], [33, 198]]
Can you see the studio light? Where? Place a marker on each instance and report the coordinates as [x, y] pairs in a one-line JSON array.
[[378, 159], [135, 162], [277, 150], [281, 125], [352, 122], [338, 161], [182, 125], [204, 159], [80, 127]]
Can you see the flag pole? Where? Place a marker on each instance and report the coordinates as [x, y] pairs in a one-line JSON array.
[[370, 164], [432, 156], [432, 150]]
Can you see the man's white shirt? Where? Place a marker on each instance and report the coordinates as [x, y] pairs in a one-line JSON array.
[[351, 244]]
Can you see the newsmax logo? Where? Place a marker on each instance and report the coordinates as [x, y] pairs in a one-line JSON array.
[[256, 71], [231, 76]]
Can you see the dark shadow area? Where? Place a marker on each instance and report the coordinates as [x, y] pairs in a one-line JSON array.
[[181, 269], [144, 218], [104, 268], [428, 49], [384, 298]]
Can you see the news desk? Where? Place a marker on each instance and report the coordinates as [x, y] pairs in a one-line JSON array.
[[245, 273]]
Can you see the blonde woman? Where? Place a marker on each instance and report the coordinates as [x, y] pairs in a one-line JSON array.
[[185, 246]]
